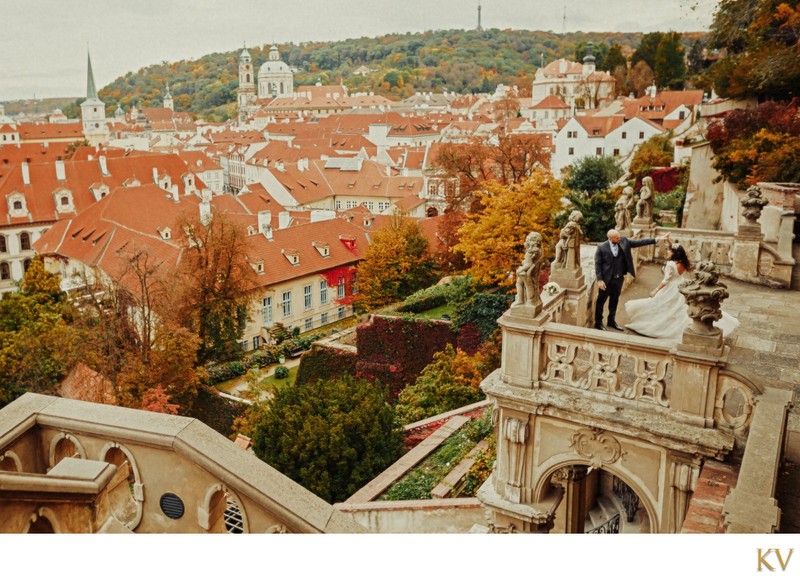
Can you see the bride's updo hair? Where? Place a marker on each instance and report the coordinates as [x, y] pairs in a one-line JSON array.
[[678, 254]]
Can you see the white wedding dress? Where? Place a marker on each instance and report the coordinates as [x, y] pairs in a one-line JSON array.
[[665, 316]]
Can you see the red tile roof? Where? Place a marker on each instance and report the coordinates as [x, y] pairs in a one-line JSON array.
[[50, 131]]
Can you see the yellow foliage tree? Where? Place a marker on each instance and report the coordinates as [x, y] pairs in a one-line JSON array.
[[491, 239]]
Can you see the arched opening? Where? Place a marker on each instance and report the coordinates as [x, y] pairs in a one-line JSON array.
[[5, 271], [8, 463], [24, 241], [431, 212], [247, 78], [597, 501], [225, 513], [121, 488], [64, 448], [41, 525]]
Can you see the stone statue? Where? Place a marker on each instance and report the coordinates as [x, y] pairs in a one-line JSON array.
[[568, 248], [528, 272], [622, 209], [753, 204], [704, 295], [644, 207]]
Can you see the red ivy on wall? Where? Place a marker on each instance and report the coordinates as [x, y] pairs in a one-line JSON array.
[[332, 277]]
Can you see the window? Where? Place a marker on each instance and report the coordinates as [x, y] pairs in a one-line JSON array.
[[287, 303], [340, 288], [616, 152], [624, 135], [5, 271], [307, 297], [383, 205], [24, 241], [571, 150], [572, 134], [599, 151], [309, 323], [353, 286], [267, 310], [3, 247], [323, 292], [64, 201], [17, 205], [26, 264], [370, 206], [342, 311], [256, 342], [641, 135], [245, 345], [682, 115], [323, 319]]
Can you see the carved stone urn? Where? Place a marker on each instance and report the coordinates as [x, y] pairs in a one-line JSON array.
[[704, 295], [752, 205]]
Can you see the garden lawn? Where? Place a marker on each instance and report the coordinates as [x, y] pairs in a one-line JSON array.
[[438, 312]]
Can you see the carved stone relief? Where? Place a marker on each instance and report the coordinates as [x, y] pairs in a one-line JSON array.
[[597, 446]]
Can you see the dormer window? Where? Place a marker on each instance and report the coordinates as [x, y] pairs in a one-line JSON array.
[[63, 201], [292, 256], [165, 233], [17, 206], [323, 248]]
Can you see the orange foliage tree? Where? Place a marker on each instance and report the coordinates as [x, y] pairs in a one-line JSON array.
[[491, 239]]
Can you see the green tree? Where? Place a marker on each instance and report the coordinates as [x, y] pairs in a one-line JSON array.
[[670, 67], [37, 339], [397, 263], [331, 436], [591, 174], [598, 213], [614, 59], [450, 381], [696, 58], [647, 49]]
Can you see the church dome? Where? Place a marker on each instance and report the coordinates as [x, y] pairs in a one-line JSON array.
[[273, 64]]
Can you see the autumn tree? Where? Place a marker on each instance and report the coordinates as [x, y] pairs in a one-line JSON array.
[[397, 263], [332, 436], [647, 49], [37, 338], [640, 77], [657, 151], [214, 286], [450, 381], [761, 40], [157, 400], [493, 237]]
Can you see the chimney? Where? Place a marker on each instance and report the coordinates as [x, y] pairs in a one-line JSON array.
[[175, 196], [155, 175], [103, 165], [284, 219], [265, 222], [26, 174], [205, 213], [61, 173]]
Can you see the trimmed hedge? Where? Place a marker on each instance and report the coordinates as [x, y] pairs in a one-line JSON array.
[[395, 350], [216, 412], [323, 362]]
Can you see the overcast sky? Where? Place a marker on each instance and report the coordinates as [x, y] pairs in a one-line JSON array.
[[43, 44]]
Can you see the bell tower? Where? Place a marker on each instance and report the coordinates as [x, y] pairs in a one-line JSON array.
[[246, 94], [93, 111]]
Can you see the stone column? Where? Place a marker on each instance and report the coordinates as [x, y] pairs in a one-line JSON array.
[[573, 480]]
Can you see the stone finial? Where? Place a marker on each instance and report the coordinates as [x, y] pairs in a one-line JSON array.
[[528, 274], [568, 249], [753, 204], [704, 295], [622, 209], [644, 207]]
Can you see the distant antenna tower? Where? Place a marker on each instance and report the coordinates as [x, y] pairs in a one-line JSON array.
[[564, 21], [479, 17]]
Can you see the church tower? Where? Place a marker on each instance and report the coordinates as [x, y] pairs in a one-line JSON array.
[[168, 99], [93, 112], [246, 94]]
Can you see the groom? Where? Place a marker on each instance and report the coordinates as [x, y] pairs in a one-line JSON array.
[[612, 261]]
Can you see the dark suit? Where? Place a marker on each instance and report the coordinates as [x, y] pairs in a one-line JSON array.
[[611, 270]]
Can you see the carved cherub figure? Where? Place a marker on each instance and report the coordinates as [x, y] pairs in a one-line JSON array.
[[528, 272]]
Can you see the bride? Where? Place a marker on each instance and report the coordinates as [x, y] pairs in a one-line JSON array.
[[665, 315]]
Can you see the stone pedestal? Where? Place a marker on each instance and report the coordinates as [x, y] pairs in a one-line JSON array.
[[746, 249], [504, 516], [522, 348], [694, 380], [643, 229], [573, 282]]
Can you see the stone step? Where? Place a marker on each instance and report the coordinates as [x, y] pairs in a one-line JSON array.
[[601, 513]]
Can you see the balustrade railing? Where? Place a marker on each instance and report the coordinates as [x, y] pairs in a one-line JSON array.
[[630, 502], [699, 245], [610, 526]]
